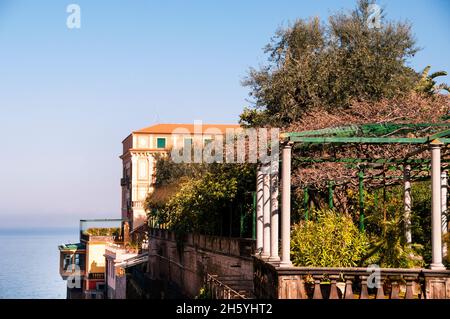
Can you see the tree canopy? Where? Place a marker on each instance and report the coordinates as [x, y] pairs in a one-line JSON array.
[[328, 65]]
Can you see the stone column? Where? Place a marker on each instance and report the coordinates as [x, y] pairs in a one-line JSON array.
[[259, 209], [444, 209], [274, 238], [407, 203], [436, 218], [134, 189], [266, 211], [286, 206]]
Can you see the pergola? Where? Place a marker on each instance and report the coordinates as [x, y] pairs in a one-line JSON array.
[[414, 149]]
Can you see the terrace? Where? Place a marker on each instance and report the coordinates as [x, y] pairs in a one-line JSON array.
[[101, 230], [365, 157]]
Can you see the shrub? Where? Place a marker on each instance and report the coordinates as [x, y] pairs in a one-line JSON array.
[[446, 240], [113, 231], [390, 250], [333, 240]]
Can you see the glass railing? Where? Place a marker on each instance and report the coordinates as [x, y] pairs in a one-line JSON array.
[[101, 227]]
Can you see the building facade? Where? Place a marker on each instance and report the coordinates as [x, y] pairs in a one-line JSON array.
[[115, 276], [82, 264], [140, 150]]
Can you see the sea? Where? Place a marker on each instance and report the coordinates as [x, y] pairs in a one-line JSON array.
[[29, 262]]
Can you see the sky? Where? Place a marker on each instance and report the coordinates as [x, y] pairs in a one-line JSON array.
[[68, 97]]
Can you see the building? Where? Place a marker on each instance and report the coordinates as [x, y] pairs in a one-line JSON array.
[[72, 262], [82, 264], [138, 160], [118, 258]]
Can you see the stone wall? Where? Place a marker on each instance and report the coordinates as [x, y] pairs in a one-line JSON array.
[[180, 269], [121, 287]]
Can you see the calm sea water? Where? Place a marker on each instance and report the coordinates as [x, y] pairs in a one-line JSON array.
[[29, 262]]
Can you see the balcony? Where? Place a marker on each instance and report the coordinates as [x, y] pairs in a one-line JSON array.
[[125, 181], [138, 204], [72, 260], [96, 276]]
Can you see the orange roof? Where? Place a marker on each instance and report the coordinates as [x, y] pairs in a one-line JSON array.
[[169, 128]]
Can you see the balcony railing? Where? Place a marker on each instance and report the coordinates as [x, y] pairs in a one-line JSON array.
[[96, 275], [100, 229], [71, 272], [348, 283], [138, 204]]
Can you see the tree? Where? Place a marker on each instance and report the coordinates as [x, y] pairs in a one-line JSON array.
[[428, 85], [315, 65], [202, 198]]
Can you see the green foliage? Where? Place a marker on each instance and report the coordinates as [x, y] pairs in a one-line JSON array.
[[421, 217], [428, 85], [313, 65], [332, 240], [207, 197], [391, 249], [446, 241], [203, 294], [385, 225], [197, 205], [133, 245], [113, 231], [169, 172]]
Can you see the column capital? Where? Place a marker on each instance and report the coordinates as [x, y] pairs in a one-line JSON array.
[[287, 144], [436, 144], [265, 168]]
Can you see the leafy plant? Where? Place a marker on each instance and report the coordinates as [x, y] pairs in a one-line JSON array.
[[332, 240], [427, 83], [204, 293], [385, 225], [134, 245], [392, 251], [94, 231], [446, 240], [205, 198]]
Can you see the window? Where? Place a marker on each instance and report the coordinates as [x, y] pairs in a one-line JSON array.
[[79, 260], [67, 262], [161, 142], [187, 143], [207, 141]]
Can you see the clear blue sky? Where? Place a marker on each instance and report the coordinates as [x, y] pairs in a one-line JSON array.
[[69, 97]]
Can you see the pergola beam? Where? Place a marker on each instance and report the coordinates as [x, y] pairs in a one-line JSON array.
[[360, 140], [439, 135], [364, 160], [365, 129]]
